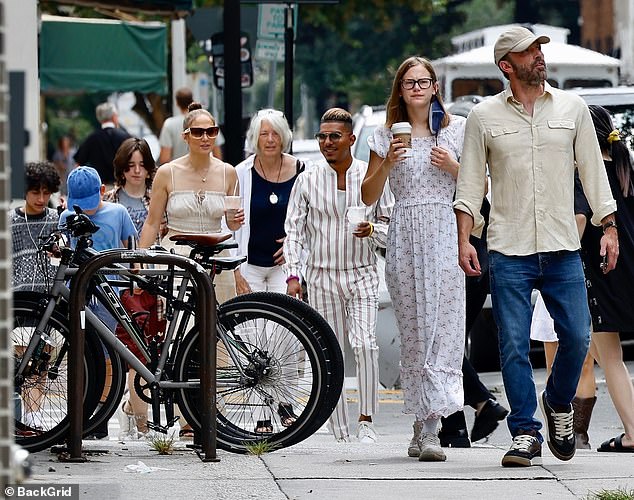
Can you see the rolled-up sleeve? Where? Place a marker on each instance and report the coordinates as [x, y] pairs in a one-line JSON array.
[[472, 173]]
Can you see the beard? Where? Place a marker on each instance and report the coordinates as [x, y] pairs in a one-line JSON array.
[[530, 75]]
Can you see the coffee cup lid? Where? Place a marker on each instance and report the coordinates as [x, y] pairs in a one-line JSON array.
[[400, 127]]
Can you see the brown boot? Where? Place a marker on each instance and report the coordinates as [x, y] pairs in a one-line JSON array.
[[583, 412]]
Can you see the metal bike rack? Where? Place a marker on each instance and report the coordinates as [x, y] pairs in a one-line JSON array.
[[206, 316]]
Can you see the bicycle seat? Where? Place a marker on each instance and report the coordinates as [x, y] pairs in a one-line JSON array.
[[200, 239]]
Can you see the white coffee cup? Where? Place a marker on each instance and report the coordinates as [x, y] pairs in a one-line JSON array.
[[403, 131], [232, 202], [355, 216]]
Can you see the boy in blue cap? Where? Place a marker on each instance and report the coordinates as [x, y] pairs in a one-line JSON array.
[[86, 191]]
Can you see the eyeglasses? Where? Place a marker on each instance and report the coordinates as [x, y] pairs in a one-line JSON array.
[[423, 83], [197, 132], [333, 136]]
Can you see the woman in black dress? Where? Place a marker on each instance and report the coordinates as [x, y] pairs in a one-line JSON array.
[[610, 295]]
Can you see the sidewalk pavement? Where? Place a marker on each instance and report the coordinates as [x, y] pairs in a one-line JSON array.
[[320, 468]]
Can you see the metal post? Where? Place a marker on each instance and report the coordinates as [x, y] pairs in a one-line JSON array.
[[206, 314], [288, 66], [232, 90]]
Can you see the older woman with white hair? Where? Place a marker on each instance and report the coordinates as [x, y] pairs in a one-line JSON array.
[[266, 178]]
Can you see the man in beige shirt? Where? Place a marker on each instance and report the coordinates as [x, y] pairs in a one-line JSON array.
[[532, 137]]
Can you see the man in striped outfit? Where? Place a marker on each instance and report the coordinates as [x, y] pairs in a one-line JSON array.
[[337, 255]]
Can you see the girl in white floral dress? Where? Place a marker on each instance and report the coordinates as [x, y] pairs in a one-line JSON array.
[[422, 273]]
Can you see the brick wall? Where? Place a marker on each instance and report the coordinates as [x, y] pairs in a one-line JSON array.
[[6, 358]]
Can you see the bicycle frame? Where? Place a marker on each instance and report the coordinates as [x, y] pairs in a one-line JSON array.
[[107, 296]]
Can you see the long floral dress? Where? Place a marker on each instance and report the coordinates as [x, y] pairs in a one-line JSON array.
[[426, 285]]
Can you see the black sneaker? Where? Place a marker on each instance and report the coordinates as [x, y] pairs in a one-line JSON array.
[[559, 429], [487, 420], [456, 439], [525, 451]]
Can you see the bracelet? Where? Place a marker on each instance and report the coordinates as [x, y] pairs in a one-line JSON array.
[[291, 278], [371, 229], [608, 225]]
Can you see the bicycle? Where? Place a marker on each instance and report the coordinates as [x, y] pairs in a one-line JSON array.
[[303, 369]]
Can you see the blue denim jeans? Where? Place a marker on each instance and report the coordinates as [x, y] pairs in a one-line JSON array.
[[559, 277]]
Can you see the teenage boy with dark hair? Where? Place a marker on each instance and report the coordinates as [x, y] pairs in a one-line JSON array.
[[31, 269], [30, 221]]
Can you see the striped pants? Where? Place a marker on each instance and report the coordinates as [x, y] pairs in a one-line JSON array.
[[349, 302]]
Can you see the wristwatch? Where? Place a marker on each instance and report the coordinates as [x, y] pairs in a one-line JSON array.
[[608, 225]]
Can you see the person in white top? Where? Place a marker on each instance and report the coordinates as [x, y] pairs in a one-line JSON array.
[[340, 258]]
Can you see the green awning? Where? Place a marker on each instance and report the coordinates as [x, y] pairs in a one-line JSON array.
[[97, 55]]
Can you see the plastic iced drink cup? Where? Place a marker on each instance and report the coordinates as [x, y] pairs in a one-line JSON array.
[[232, 202], [355, 216]]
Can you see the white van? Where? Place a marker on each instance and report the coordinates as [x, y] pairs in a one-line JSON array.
[[473, 71]]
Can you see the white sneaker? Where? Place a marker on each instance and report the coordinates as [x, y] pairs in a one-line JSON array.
[[343, 439], [127, 424], [366, 433]]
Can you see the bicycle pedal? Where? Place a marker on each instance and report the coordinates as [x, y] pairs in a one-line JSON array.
[[158, 428]]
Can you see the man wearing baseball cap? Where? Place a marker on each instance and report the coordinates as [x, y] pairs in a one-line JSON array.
[[532, 136]]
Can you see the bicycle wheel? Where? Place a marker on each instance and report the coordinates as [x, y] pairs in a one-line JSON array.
[[42, 395], [310, 316], [335, 367], [274, 359]]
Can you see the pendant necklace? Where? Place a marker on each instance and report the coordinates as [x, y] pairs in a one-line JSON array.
[[273, 198], [204, 179]]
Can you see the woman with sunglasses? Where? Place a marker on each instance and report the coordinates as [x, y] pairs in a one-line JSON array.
[[422, 275], [266, 179], [191, 191]]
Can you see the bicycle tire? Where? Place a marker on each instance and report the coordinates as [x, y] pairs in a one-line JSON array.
[[310, 316], [311, 390], [52, 428]]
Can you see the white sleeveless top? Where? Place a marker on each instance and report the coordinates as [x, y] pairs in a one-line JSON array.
[[195, 211]]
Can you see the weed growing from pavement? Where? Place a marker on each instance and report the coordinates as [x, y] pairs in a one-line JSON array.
[[162, 443], [618, 494], [259, 448]]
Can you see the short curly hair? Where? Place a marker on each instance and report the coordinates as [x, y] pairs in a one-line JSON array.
[[41, 174]]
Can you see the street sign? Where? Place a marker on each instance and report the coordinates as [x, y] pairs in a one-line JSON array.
[[269, 50], [272, 21]]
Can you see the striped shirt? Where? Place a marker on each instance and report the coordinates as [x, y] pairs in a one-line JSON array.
[[317, 232]]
